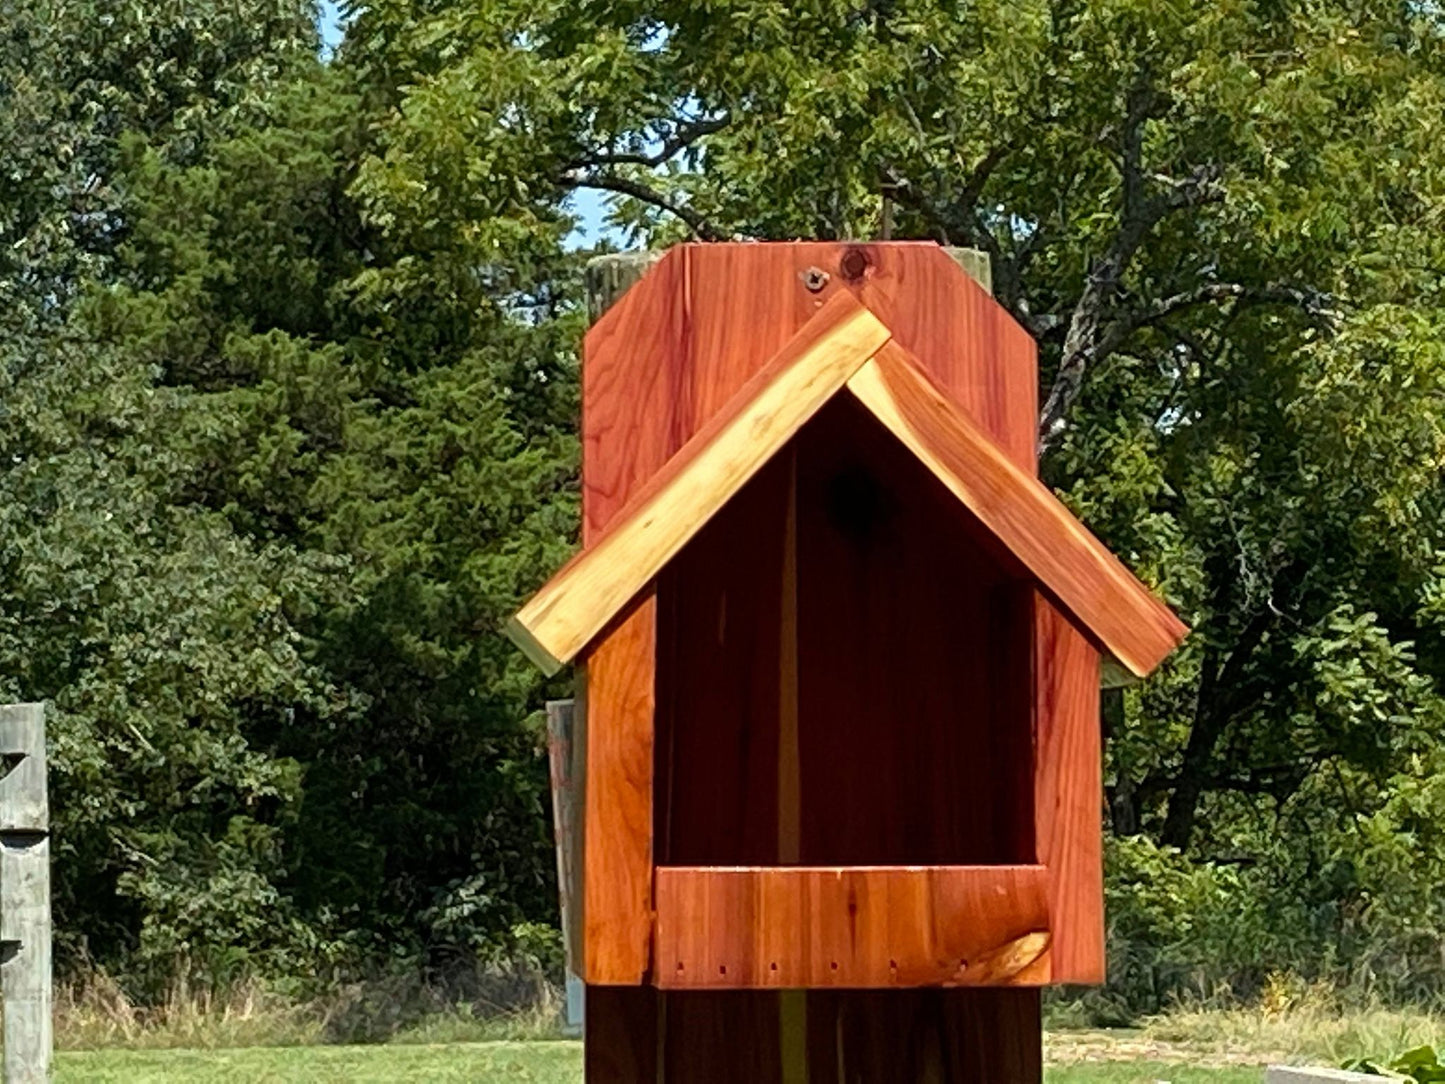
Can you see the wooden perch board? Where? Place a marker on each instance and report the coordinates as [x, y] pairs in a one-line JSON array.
[[673, 505], [1099, 594], [851, 926]]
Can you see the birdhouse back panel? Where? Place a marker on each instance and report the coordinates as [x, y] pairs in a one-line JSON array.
[[841, 668], [843, 612], [672, 351]]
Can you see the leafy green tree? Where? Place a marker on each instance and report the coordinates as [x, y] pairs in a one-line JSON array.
[[277, 461], [75, 75], [1221, 221], [367, 402], [289, 388], [162, 637], [1196, 208]]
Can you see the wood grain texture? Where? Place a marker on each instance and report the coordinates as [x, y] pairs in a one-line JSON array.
[[562, 760], [673, 504], [631, 359], [790, 778], [661, 362], [719, 687], [745, 300], [901, 637], [938, 1036], [1069, 792], [792, 1004], [721, 1037], [671, 353], [617, 836], [630, 355], [707, 317], [621, 1035], [638, 1035], [901, 629], [25, 972], [851, 926], [1074, 567]]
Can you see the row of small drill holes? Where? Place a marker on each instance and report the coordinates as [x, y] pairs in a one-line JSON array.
[[723, 970]]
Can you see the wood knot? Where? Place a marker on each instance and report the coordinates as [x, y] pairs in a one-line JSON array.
[[854, 264]]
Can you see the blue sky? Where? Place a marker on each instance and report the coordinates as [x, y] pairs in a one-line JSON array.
[[589, 207], [330, 24], [587, 204]]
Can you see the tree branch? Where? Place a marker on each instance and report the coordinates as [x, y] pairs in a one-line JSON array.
[[979, 175], [1269, 779], [964, 224], [1225, 694], [1313, 303], [905, 193], [625, 186], [1086, 341], [683, 136]]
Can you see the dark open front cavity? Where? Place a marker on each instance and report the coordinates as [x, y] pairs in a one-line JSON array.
[[846, 610]]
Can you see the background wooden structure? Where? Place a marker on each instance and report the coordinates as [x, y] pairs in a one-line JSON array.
[[25, 894], [564, 756], [842, 720]]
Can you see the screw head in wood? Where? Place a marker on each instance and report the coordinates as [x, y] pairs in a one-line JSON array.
[[815, 278]]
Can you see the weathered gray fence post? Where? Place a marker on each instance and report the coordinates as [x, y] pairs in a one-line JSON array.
[[563, 751], [25, 894]]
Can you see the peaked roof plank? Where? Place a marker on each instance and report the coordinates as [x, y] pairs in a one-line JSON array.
[[1100, 595], [845, 345], [671, 507]]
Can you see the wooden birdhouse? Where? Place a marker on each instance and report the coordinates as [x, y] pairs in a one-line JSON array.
[[840, 650]]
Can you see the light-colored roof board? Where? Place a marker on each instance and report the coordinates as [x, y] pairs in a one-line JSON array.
[[845, 346]]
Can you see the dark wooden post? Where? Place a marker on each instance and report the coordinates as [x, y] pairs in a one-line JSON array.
[[564, 750]]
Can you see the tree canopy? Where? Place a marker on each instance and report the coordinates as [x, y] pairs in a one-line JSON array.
[[290, 383]]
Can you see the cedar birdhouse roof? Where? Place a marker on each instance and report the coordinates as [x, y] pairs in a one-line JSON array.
[[844, 349]]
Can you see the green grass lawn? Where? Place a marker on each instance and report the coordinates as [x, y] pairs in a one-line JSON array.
[[533, 1062], [522, 1063]]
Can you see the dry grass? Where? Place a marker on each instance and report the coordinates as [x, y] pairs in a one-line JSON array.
[[1303, 1035], [96, 1014], [1292, 1021]]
